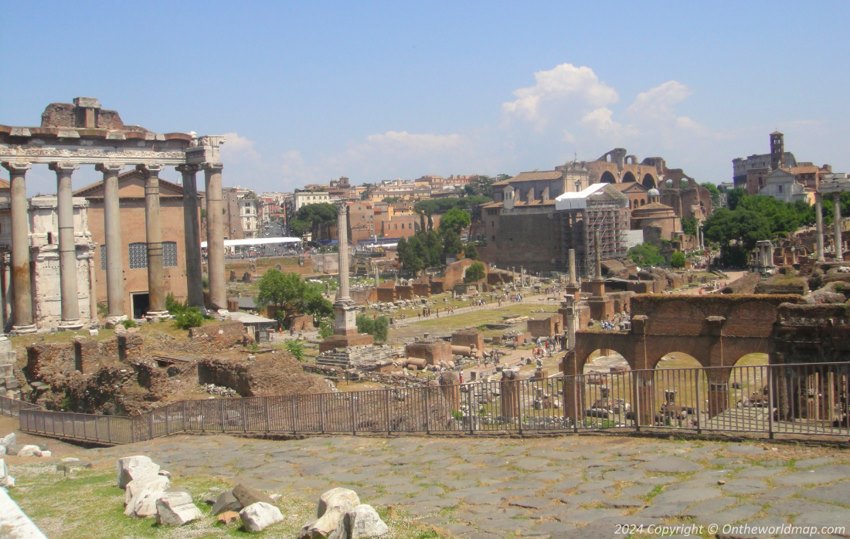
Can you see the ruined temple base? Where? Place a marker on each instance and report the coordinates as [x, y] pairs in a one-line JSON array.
[[344, 341]]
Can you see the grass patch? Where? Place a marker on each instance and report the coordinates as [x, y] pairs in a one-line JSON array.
[[89, 504], [656, 490]]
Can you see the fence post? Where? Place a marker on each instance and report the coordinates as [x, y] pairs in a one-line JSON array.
[[167, 413], [387, 409], [770, 402], [266, 411], [96, 433], [427, 390], [521, 385], [221, 413], [353, 424], [322, 412], [109, 428], [636, 388], [244, 417], [471, 412], [577, 384], [699, 415], [150, 425], [183, 405]]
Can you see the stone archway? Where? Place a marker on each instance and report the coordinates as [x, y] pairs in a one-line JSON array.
[[607, 177], [648, 181], [628, 177]]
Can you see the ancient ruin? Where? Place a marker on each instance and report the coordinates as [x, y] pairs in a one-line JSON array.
[[83, 133]]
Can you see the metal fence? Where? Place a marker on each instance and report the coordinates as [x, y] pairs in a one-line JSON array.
[[801, 400]]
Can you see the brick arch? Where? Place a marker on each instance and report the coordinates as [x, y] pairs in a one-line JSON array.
[[628, 177], [607, 177], [649, 181]]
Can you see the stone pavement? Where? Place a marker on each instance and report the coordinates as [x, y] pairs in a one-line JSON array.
[[569, 486]]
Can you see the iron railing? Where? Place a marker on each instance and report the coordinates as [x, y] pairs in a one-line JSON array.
[[800, 400]]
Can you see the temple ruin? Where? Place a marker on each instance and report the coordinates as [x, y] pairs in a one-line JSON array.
[[83, 133]]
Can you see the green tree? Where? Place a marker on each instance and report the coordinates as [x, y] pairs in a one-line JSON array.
[[455, 220], [715, 194], [470, 251], [452, 245], [689, 226], [292, 296], [474, 273], [296, 348], [646, 254], [376, 327], [677, 259], [311, 216]]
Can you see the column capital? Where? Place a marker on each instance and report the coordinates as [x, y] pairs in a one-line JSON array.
[[63, 168], [16, 166], [150, 170], [212, 167], [109, 168], [187, 168]]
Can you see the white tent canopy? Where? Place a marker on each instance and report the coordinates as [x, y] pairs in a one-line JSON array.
[[256, 241]]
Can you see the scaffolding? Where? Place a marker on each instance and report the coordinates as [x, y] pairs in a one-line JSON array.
[[598, 209]]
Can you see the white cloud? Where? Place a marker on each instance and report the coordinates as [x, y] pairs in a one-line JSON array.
[[563, 84], [414, 143], [239, 149], [601, 122], [658, 103]]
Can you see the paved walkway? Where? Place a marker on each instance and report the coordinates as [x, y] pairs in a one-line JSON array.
[[567, 486]]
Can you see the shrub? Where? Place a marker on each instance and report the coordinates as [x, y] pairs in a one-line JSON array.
[[129, 323], [326, 328], [190, 317], [296, 348]]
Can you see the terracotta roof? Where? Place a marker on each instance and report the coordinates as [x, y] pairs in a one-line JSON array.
[[628, 185], [532, 176], [652, 206]]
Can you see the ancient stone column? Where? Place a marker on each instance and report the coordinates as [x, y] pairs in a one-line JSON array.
[[67, 247], [819, 225], [215, 236], [573, 282], [192, 236], [153, 238], [836, 207], [342, 228], [597, 269], [22, 320], [114, 247]]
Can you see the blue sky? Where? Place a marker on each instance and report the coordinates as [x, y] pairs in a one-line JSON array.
[[310, 91]]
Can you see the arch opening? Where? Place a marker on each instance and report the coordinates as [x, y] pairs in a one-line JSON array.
[[607, 177], [628, 177], [648, 181], [606, 391]]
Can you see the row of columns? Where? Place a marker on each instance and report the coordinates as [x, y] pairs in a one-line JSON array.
[[22, 314], [836, 206]]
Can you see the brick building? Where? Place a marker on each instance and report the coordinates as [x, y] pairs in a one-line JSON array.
[[131, 193]]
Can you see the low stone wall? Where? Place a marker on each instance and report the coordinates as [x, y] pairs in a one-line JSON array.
[[224, 334]]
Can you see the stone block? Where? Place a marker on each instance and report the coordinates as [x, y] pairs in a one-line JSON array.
[[226, 501], [363, 522], [29, 450], [130, 468], [142, 494], [259, 516], [247, 495], [176, 509], [333, 505]]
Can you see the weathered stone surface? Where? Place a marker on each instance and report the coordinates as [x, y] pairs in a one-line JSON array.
[[226, 501], [363, 522], [130, 468], [333, 505], [259, 516], [29, 450], [176, 508], [247, 496], [136, 486], [69, 464], [143, 495], [8, 440]]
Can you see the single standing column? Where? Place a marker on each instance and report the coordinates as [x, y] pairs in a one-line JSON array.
[[114, 247], [342, 228], [598, 255], [819, 226], [215, 236], [836, 206], [153, 237], [573, 282], [192, 236], [67, 247], [22, 320]]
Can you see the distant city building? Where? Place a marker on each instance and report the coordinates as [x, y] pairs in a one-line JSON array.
[[751, 173], [303, 197]]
